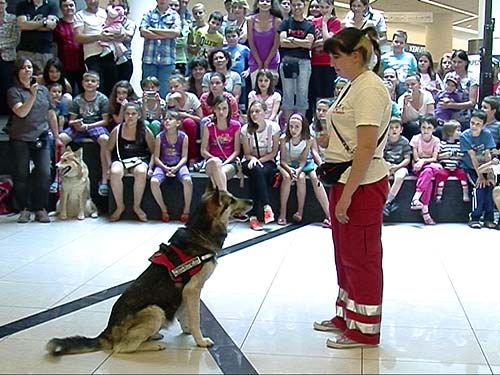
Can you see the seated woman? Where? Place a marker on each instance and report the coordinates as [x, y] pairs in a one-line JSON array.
[[220, 62], [198, 67], [216, 88], [128, 140], [220, 145], [415, 102], [260, 140]]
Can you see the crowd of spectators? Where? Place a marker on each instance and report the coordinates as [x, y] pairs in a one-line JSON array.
[[250, 71]]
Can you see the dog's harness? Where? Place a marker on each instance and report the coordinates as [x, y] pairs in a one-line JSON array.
[[181, 266]]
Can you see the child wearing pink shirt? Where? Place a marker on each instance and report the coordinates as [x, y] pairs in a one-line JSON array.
[[425, 166]]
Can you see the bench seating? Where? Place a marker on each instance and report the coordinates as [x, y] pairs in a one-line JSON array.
[[451, 210]]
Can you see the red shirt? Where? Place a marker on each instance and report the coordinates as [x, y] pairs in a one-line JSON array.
[[70, 52], [319, 57], [207, 110]]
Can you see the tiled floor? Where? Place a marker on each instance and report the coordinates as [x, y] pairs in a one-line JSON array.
[[441, 300]]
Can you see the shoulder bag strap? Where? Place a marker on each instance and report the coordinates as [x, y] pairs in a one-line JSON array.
[[217, 140], [342, 140], [256, 143], [117, 145]]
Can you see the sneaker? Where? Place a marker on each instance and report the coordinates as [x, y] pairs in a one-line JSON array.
[[255, 225], [54, 187], [103, 190], [24, 217], [42, 216], [387, 209], [239, 217], [475, 224], [343, 342], [489, 224], [268, 215], [326, 326]]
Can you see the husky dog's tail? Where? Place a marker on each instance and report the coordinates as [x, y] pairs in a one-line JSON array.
[[75, 345]]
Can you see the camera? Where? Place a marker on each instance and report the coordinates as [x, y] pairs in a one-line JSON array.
[[32, 81], [150, 95]]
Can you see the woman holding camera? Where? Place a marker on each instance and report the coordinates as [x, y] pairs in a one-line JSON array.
[[356, 130], [29, 140]]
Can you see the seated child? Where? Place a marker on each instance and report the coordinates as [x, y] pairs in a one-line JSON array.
[[296, 162], [476, 143], [449, 156], [113, 26], [318, 126], [264, 90], [152, 105], [425, 151], [449, 95], [397, 154], [171, 152], [88, 118], [56, 94]]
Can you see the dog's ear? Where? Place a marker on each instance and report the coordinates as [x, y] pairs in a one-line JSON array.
[[79, 153], [68, 149]]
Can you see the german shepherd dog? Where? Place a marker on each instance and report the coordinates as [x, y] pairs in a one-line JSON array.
[[152, 301], [75, 198]]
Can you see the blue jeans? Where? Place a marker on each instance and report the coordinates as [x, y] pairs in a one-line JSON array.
[[162, 72], [482, 200], [296, 90], [34, 185]]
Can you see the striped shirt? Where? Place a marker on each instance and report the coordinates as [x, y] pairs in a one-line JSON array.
[[9, 37], [160, 51], [450, 162]]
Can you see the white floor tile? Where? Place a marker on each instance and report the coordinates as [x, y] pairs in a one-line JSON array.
[[490, 342], [169, 361], [405, 367], [295, 339], [441, 308], [21, 356], [427, 345], [285, 364]]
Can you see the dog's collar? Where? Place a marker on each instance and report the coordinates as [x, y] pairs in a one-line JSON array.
[[181, 266]]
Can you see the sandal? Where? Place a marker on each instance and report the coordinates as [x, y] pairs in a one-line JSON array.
[[416, 205], [282, 221], [326, 223], [103, 190], [297, 217], [141, 215], [428, 220], [165, 217], [184, 218]]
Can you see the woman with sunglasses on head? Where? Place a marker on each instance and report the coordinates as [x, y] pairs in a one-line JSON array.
[[356, 131]]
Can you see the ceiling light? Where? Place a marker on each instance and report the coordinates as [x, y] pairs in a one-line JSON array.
[[465, 30], [447, 7], [468, 19]]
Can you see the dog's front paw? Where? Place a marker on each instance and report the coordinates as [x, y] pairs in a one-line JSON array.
[[160, 347], [81, 216], [63, 217], [205, 342]]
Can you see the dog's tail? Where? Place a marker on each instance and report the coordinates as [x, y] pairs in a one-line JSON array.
[[76, 344]]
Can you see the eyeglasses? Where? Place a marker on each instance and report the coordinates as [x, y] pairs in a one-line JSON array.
[[297, 5]]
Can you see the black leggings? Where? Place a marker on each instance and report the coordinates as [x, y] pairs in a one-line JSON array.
[[259, 182]]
